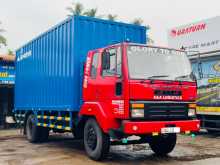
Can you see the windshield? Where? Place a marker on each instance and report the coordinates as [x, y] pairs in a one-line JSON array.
[[158, 63]]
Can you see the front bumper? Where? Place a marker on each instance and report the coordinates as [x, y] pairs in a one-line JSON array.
[[135, 128]]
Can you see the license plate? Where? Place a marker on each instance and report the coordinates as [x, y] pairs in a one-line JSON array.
[[170, 130]]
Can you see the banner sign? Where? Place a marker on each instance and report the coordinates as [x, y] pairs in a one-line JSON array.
[[202, 36], [7, 72]]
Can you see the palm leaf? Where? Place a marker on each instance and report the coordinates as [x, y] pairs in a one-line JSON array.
[[137, 21], [112, 17], [3, 40], [75, 9], [91, 12]]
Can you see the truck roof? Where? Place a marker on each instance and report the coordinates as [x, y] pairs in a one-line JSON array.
[[138, 44]]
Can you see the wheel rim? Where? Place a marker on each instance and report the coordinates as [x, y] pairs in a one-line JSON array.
[[91, 138]]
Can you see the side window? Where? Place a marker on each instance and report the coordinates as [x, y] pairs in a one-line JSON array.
[[94, 65], [109, 62]]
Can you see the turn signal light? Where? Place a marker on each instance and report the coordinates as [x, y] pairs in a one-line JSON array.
[[192, 106], [137, 105]]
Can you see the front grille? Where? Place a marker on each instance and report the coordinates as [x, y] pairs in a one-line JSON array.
[[165, 111], [168, 111]]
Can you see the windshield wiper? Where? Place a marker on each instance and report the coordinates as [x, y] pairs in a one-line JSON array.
[[180, 77], [159, 76]]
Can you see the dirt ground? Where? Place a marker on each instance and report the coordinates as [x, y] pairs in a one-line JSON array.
[[61, 149]]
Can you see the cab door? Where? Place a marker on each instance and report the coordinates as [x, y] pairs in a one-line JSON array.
[[110, 81]]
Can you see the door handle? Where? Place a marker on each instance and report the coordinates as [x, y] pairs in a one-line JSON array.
[[118, 88]]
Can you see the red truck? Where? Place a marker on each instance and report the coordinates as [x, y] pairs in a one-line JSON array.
[[124, 89], [132, 89]]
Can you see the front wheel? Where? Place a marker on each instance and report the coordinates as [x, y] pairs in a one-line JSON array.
[[96, 142], [163, 144]]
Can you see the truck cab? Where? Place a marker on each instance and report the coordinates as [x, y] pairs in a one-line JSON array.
[[135, 89]]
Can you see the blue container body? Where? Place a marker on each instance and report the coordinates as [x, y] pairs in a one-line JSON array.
[[49, 69]]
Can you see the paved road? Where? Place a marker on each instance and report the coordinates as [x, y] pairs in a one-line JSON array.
[[63, 150]]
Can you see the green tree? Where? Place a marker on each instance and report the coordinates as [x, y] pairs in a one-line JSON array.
[[137, 21], [3, 40], [112, 17], [150, 41], [10, 52], [91, 12], [76, 9]]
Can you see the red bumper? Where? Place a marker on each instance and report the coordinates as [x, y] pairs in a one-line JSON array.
[[131, 127]]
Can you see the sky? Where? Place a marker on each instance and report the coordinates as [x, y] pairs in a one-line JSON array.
[[25, 19]]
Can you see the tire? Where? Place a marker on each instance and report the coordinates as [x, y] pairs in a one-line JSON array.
[[96, 142], [44, 134], [32, 131], [163, 144]]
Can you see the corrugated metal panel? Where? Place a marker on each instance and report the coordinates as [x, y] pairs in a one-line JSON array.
[[50, 68]]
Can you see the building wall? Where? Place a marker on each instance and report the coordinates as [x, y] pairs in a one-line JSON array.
[[7, 77], [6, 103]]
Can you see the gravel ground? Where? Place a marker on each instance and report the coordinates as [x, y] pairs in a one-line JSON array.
[[61, 149]]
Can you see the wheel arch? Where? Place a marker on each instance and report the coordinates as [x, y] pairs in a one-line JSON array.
[[104, 118]]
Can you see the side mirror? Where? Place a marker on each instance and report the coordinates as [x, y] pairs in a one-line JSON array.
[[105, 60]]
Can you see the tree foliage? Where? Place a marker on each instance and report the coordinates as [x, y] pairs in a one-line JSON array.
[[75, 9], [78, 9], [91, 12], [10, 52], [112, 17], [137, 21], [3, 40]]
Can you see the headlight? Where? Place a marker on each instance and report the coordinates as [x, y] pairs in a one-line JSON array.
[[191, 112], [137, 113]]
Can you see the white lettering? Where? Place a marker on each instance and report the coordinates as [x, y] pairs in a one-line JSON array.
[[168, 97], [24, 56]]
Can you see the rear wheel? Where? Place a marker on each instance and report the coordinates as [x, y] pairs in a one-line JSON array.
[[96, 142], [44, 134], [33, 131], [163, 144]]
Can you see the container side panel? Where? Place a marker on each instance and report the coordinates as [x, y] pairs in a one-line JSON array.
[[44, 71], [49, 69], [92, 33]]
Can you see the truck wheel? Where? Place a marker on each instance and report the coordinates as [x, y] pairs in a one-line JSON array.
[[44, 134], [163, 144], [96, 142], [33, 131]]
